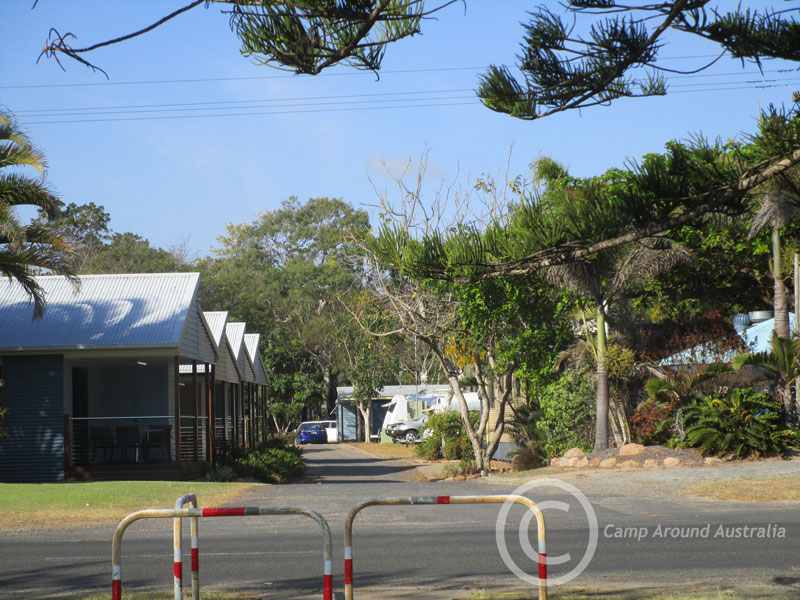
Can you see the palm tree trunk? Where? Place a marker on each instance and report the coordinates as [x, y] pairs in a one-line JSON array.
[[601, 425], [780, 304]]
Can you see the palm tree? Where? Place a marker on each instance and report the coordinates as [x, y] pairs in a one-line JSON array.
[[778, 209], [583, 209], [603, 278], [27, 249]]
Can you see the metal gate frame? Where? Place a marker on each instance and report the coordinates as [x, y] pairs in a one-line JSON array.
[[440, 500], [194, 513]]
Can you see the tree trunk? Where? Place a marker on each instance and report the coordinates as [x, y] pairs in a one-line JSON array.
[[614, 423], [474, 438], [780, 304], [329, 378], [503, 389], [601, 425], [366, 415]]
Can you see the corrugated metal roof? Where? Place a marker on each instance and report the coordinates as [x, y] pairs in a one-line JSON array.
[[108, 311], [235, 335], [216, 321], [390, 391], [251, 342]]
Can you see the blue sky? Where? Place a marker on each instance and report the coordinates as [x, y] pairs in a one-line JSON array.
[[177, 178]]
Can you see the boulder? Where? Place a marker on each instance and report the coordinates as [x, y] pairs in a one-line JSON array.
[[629, 464], [608, 463], [460, 478], [579, 463], [710, 461], [574, 453], [671, 462], [556, 462], [473, 476], [631, 449], [595, 462], [651, 464]]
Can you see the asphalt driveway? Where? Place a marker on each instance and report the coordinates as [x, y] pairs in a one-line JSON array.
[[436, 551]]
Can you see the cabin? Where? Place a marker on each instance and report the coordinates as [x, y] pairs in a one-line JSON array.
[[93, 390]]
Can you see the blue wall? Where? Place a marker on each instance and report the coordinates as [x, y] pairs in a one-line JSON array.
[[34, 398]]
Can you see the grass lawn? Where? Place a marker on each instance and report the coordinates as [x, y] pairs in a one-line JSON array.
[[25, 506], [388, 450], [779, 489]]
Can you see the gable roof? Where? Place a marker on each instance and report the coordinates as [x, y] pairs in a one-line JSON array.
[[235, 335], [227, 368], [152, 310], [251, 343]]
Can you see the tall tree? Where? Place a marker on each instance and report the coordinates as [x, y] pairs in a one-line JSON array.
[[87, 228], [779, 205], [25, 249], [131, 253], [284, 272], [306, 36]]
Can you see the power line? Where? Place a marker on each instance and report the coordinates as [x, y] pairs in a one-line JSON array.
[[286, 76], [224, 102], [213, 79], [211, 105], [282, 112], [310, 104]]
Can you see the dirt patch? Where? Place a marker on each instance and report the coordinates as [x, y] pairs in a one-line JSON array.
[[784, 489]]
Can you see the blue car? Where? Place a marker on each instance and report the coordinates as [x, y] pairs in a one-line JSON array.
[[311, 433]]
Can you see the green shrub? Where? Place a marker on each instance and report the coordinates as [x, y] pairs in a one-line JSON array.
[[222, 474], [741, 423], [447, 438], [271, 465], [567, 414], [274, 461]]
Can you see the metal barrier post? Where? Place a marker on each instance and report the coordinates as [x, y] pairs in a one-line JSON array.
[[177, 568], [182, 513], [348, 528]]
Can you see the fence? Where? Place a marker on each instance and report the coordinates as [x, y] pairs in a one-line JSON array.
[[443, 500]]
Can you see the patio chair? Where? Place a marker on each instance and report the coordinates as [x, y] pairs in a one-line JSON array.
[[102, 439], [128, 438], [158, 438]]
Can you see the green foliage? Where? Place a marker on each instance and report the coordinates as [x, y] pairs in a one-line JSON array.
[[447, 437], [285, 274], [131, 253], [275, 461], [567, 414], [25, 249], [272, 465], [741, 423], [221, 474], [562, 69]]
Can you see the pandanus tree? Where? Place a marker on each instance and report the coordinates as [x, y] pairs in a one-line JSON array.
[[27, 249]]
